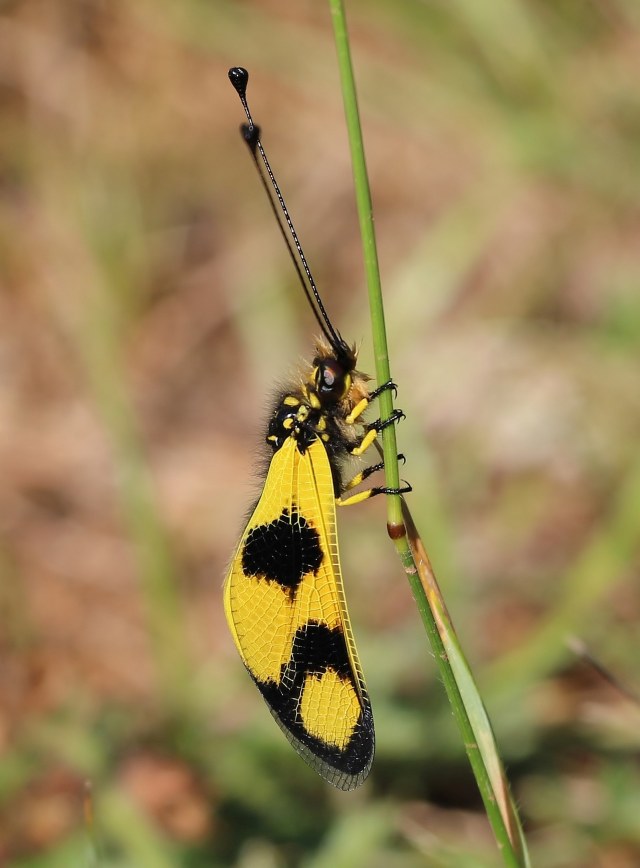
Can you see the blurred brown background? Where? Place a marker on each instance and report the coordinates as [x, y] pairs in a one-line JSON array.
[[148, 310]]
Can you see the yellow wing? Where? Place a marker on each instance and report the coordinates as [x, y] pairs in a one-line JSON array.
[[285, 605]]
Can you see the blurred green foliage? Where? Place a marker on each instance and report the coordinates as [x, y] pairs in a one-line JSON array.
[[148, 311]]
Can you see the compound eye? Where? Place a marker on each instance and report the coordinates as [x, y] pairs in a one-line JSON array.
[[330, 377]]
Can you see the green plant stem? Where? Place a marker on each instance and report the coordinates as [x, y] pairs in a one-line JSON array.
[[370, 251], [483, 758]]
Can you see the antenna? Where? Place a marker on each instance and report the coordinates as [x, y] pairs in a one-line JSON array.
[[239, 78]]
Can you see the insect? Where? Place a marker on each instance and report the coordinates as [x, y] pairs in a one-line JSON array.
[[283, 595]]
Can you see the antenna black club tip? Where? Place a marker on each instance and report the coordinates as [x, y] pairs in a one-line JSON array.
[[251, 134], [239, 78]]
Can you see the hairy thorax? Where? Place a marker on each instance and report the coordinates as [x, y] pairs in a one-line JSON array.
[[322, 405]]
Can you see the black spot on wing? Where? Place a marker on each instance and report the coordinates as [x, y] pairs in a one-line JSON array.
[[283, 551], [317, 648]]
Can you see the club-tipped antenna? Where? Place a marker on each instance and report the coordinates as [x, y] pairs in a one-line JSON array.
[[239, 77]]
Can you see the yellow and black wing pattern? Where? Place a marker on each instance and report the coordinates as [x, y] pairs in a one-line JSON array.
[[285, 606]]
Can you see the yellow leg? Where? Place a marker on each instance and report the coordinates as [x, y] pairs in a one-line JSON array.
[[362, 405], [358, 410], [356, 498], [365, 443], [365, 474], [370, 492], [374, 429]]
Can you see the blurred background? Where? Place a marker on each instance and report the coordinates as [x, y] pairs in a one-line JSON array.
[[148, 311]]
